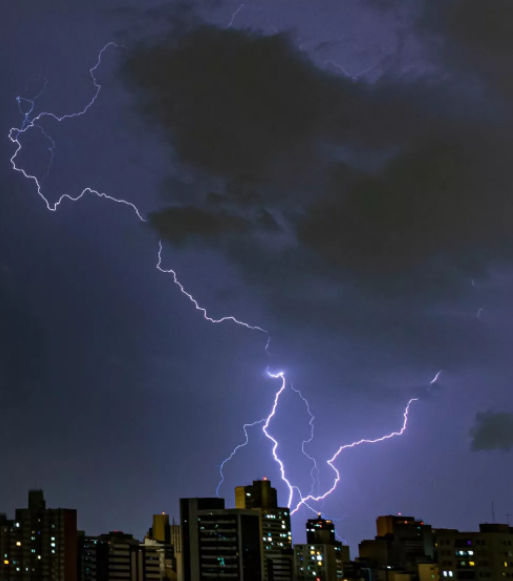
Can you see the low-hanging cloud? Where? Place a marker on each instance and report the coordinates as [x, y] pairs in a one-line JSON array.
[[398, 178], [353, 207], [492, 431]]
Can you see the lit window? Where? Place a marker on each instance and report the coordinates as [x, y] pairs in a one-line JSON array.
[[18, 543]]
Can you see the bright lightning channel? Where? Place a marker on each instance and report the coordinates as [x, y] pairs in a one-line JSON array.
[[358, 443], [29, 123], [314, 473]]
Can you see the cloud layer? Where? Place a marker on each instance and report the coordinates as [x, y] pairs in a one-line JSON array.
[[492, 431]]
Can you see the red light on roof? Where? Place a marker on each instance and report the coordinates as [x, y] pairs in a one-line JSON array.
[[265, 478]]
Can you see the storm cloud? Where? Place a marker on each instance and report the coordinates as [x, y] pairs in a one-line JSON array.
[[361, 208], [399, 180], [492, 431]]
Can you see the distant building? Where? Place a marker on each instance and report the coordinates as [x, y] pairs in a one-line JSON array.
[[40, 544], [219, 543], [176, 537], [118, 556], [487, 554], [322, 558], [320, 531], [260, 494], [161, 529], [275, 528], [402, 543]]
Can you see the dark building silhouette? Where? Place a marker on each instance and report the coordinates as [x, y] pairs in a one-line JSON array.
[[275, 529], [320, 531], [189, 509], [402, 543], [40, 544], [117, 556], [487, 554], [219, 543]]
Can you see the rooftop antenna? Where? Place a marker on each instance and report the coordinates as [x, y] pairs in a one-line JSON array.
[[493, 512], [507, 517]]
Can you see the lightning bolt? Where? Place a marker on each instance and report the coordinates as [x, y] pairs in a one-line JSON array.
[[353, 445], [235, 450], [358, 443], [314, 473], [234, 15], [31, 122]]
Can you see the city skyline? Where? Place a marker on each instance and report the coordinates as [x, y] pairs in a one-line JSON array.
[[251, 542]]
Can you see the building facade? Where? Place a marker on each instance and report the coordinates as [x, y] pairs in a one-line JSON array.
[[219, 543], [118, 556], [487, 554], [275, 529], [402, 542], [322, 558], [40, 544]]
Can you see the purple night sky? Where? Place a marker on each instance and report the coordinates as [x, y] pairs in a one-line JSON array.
[[337, 173]]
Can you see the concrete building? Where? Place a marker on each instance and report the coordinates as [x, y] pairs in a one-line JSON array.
[[189, 513], [322, 558], [219, 543], [40, 544], [318, 562], [160, 529], [260, 494], [118, 556], [487, 554], [401, 543], [275, 529]]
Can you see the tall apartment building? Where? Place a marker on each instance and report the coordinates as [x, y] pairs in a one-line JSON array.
[[40, 544], [487, 554], [169, 535], [322, 558], [219, 543], [275, 529]]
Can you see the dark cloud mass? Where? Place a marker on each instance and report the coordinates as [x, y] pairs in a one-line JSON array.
[[184, 224], [361, 209], [476, 38], [398, 178], [234, 103], [492, 431]]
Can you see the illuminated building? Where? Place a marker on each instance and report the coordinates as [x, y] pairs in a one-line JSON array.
[[40, 544], [487, 554], [260, 494], [219, 543], [320, 531], [322, 558], [275, 528], [161, 529]]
